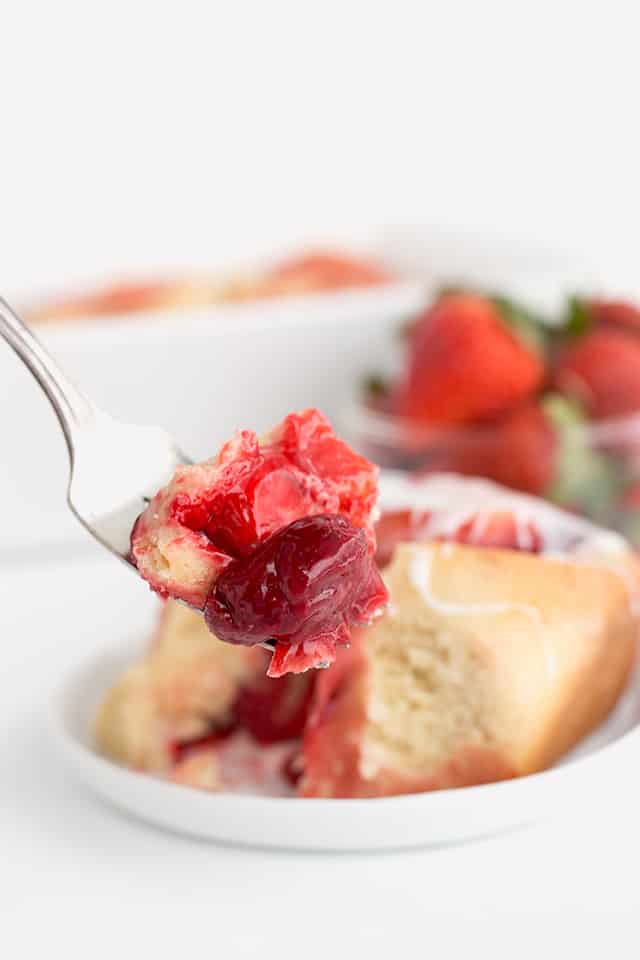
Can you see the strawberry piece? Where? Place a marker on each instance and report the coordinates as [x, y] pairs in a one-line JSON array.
[[518, 451], [304, 587], [179, 749], [465, 364], [274, 539], [337, 717], [602, 371], [631, 498], [295, 656], [501, 531], [127, 297], [399, 526], [293, 767], [214, 512], [124, 297], [618, 312], [274, 709], [322, 271]]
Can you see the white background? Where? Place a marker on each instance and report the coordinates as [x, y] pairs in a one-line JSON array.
[[143, 135]]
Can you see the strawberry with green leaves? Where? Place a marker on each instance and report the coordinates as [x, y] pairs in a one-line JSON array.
[[467, 361]]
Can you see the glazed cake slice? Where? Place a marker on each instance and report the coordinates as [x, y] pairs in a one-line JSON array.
[[510, 634], [491, 662]]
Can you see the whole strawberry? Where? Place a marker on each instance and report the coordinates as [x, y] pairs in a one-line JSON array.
[[465, 363], [518, 450], [601, 370], [620, 313], [543, 448]]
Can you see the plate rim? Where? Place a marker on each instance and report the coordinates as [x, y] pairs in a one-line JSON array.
[[70, 744]]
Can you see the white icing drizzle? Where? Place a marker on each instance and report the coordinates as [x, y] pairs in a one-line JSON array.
[[454, 499], [420, 575], [441, 502], [450, 500]]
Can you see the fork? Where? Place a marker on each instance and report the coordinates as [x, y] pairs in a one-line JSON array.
[[115, 468]]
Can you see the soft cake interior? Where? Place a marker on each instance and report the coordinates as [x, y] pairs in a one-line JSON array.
[[489, 664]]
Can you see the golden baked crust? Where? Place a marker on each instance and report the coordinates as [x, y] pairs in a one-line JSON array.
[[489, 664]]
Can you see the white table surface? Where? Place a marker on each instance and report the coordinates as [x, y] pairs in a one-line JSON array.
[[78, 875]]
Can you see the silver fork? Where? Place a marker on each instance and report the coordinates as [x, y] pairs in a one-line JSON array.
[[114, 467]]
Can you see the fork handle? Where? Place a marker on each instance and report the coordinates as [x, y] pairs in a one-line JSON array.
[[72, 408]]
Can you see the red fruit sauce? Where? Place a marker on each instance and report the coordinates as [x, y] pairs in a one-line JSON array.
[[273, 539], [303, 587], [180, 749], [274, 709], [303, 469], [501, 531]]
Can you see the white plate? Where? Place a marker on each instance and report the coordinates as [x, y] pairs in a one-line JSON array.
[[600, 766]]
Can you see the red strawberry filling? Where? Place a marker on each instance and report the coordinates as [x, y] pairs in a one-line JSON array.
[[274, 709], [214, 534], [305, 587], [399, 526], [271, 710], [180, 749], [501, 531]]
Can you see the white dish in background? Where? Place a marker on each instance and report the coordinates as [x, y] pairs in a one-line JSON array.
[[202, 373]]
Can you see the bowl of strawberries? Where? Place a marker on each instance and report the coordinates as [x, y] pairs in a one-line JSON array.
[[545, 404]]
